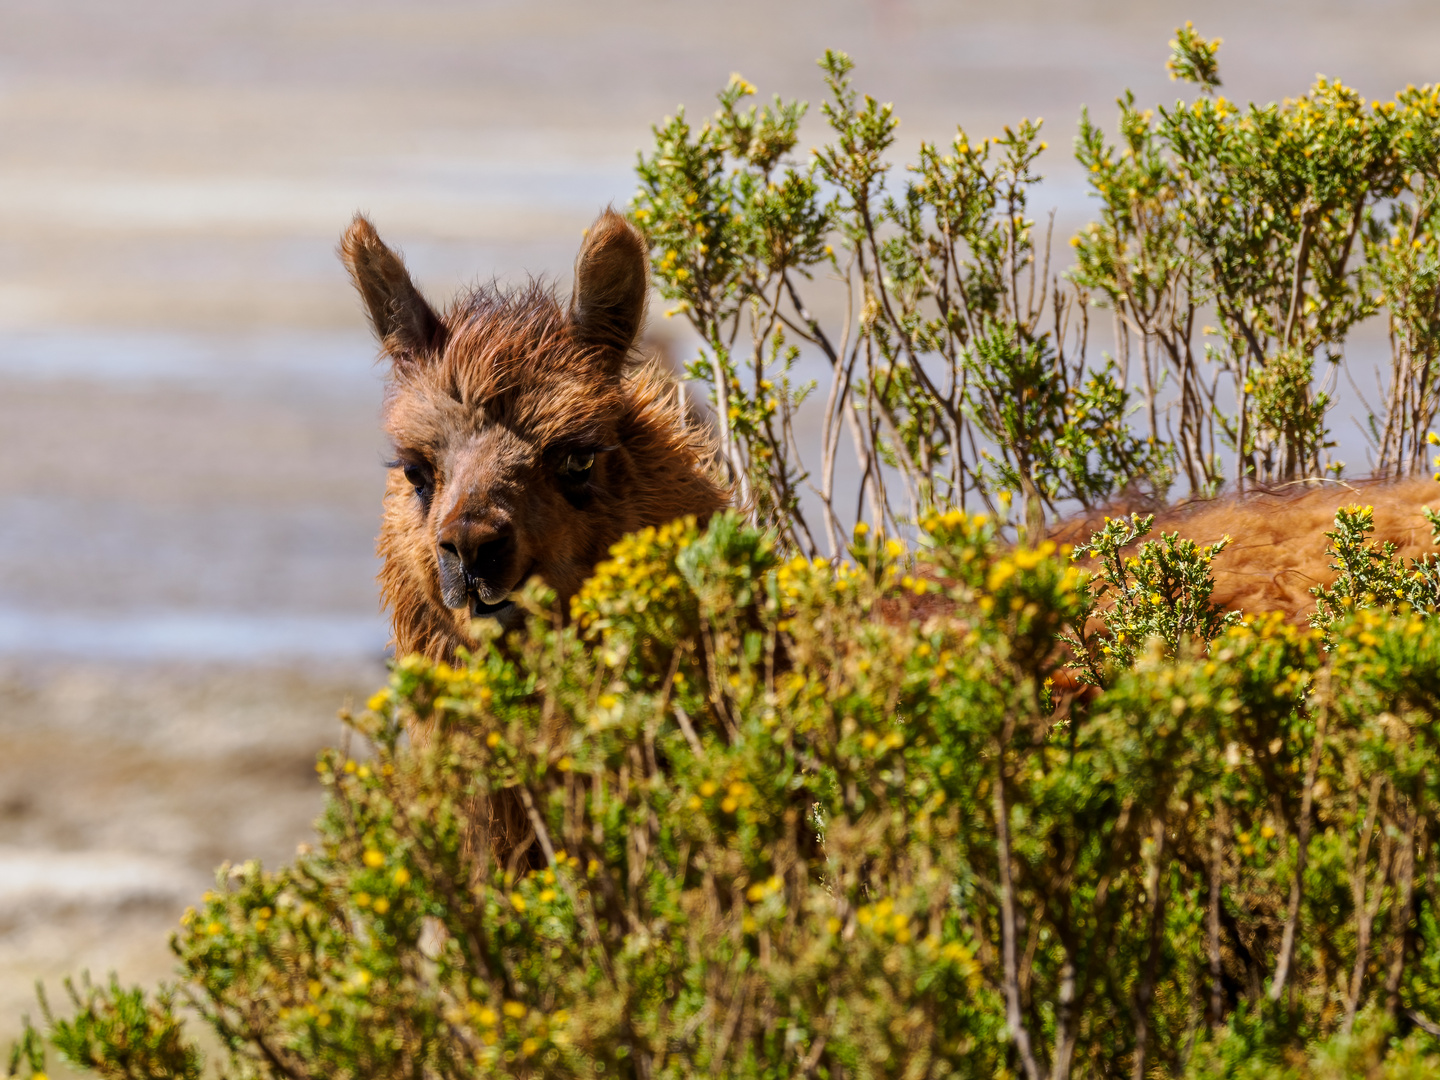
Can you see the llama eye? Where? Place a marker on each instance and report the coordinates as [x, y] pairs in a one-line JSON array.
[[577, 464], [419, 479]]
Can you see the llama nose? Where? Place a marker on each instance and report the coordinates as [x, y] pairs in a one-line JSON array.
[[474, 554]]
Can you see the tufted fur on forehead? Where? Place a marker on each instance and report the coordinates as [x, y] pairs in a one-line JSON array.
[[513, 359]]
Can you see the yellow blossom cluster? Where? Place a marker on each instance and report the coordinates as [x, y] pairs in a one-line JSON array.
[[641, 569], [882, 918], [737, 794], [761, 889], [516, 1023], [1003, 569], [818, 578], [954, 522]]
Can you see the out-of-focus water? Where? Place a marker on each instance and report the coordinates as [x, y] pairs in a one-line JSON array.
[[190, 469]]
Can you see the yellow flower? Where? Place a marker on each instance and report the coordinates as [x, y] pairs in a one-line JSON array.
[[514, 1010], [518, 903], [402, 876], [492, 740], [373, 858], [381, 905]]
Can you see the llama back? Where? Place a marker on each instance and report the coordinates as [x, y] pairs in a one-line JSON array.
[[1277, 553]]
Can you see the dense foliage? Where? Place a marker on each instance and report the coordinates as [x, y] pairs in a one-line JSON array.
[[959, 807], [794, 821]]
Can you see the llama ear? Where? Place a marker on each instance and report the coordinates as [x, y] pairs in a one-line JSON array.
[[612, 277], [406, 325]]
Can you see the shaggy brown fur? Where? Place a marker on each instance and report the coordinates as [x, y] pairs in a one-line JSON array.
[[1277, 550], [526, 440]]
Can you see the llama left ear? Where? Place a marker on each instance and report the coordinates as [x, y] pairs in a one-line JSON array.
[[407, 326], [612, 279]]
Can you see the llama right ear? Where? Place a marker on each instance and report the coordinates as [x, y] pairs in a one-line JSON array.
[[612, 279], [408, 328]]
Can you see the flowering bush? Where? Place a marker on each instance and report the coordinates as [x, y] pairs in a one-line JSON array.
[[1369, 573], [789, 820], [1160, 592]]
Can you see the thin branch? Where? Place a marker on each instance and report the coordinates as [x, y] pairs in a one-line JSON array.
[[1297, 884]]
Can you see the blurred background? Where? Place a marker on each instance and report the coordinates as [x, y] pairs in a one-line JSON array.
[[190, 469]]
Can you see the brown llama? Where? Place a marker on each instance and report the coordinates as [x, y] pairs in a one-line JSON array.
[[527, 439]]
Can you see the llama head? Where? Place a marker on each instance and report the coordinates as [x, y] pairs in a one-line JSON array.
[[525, 443]]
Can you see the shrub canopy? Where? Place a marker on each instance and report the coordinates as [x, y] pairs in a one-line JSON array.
[[788, 820]]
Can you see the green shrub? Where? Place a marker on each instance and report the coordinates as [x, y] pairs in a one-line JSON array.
[[1161, 592], [791, 820], [959, 363], [1369, 575]]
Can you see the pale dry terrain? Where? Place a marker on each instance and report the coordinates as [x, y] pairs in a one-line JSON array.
[[125, 786], [189, 458]]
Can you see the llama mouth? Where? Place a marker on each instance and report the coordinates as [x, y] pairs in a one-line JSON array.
[[479, 609]]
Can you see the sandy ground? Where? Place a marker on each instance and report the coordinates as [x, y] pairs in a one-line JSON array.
[[189, 457], [122, 788]]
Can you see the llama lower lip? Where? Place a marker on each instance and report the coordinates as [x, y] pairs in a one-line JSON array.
[[480, 610]]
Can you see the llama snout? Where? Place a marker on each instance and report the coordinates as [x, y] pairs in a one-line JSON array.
[[477, 564]]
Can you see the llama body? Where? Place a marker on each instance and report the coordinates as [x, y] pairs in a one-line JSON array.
[[1278, 551], [526, 441]]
